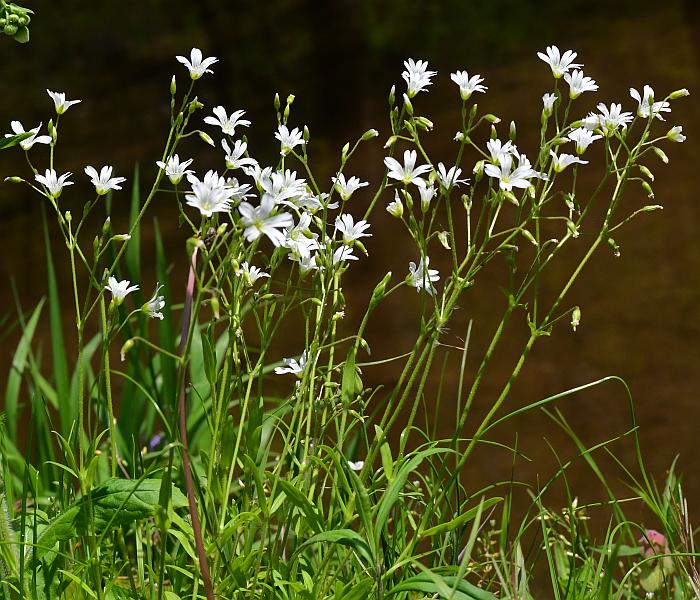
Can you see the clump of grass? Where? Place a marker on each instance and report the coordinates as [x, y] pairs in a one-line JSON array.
[[178, 455]]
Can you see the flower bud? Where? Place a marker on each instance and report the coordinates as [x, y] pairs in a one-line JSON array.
[[206, 138], [573, 229], [614, 247], [345, 150], [369, 134], [529, 237], [493, 134], [575, 317], [424, 123], [492, 118], [679, 94], [407, 104], [290, 99], [675, 134], [307, 134], [512, 132], [392, 96], [444, 239], [459, 137], [121, 237], [276, 102], [380, 290], [646, 172], [128, 345], [395, 208], [478, 171], [68, 216], [180, 119], [173, 86], [14, 179], [661, 154], [466, 202], [390, 142], [647, 189]]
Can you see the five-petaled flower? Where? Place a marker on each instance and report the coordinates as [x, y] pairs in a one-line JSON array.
[[289, 139], [174, 169], [347, 188], [227, 123], [60, 103], [250, 274], [561, 161], [583, 138], [449, 178], [417, 76], [421, 277], [647, 107], [120, 289], [197, 65], [54, 183], [103, 181], [559, 63], [508, 178], [28, 142], [579, 83], [235, 157], [351, 231], [260, 220], [407, 172], [155, 305], [468, 85], [211, 195], [292, 366]]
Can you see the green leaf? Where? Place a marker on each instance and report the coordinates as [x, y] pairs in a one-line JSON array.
[[14, 140], [298, 499], [344, 537], [430, 582], [460, 520], [132, 256], [352, 384]]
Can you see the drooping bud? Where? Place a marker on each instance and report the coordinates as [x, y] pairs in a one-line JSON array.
[[492, 118], [128, 345], [661, 154], [646, 172], [675, 134], [679, 94], [207, 138], [369, 134], [575, 317], [647, 189], [614, 247]]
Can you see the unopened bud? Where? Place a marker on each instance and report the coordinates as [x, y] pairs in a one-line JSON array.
[[444, 239], [106, 225], [128, 345], [121, 237], [493, 134], [575, 317], [661, 154], [407, 105], [277, 102], [647, 189], [369, 134], [390, 142], [307, 134], [290, 99], [529, 237], [675, 134], [646, 172], [345, 150], [512, 132], [424, 123], [207, 138], [173, 86], [679, 94], [392, 96], [68, 216], [614, 247], [492, 118], [380, 290], [14, 179]]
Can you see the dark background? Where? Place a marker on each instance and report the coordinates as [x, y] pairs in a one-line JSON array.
[[640, 311]]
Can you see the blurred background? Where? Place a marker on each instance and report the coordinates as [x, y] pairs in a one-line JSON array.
[[640, 311]]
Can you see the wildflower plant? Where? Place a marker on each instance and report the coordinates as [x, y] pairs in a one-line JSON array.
[[205, 463]]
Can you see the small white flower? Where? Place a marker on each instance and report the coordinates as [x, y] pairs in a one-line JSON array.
[[647, 106], [120, 289], [291, 365], [227, 123], [174, 169], [250, 273], [459, 136], [509, 177], [427, 193], [27, 143], [579, 83], [60, 103], [421, 277], [675, 134], [356, 465], [417, 76], [209, 196], [306, 264], [343, 253], [498, 150], [408, 172], [559, 63], [395, 207], [583, 138], [548, 101], [610, 119], [299, 238], [104, 182], [468, 85], [591, 122], [235, 158], [351, 231], [349, 187], [53, 183], [197, 65], [449, 178], [259, 220], [289, 139], [155, 305], [564, 160]]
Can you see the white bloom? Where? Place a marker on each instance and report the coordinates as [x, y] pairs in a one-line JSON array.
[[395, 208], [612, 118], [509, 177], [449, 178], [498, 150], [27, 143], [292, 366], [583, 138], [53, 183], [174, 169], [421, 277], [289, 139], [104, 182], [349, 187], [579, 83], [235, 158], [210, 195], [647, 106], [591, 122], [468, 85], [155, 305], [351, 231], [564, 160], [196, 65], [306, 264], [238, 191], [417, 76], [408, 172], [343, 253], [356, 466], [283, 187], [259, 220], [120, 289], [427, 193], [548, 101], [459, 136], [250, 273], [675, 134], [299, 238], [227, 123], [559, 63], [60, 102]]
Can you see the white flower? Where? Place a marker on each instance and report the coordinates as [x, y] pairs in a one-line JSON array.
[[289, 139], [60, 102], [155, 305], [675, 134], [238, 191], [591, 122], [421, 277], [196, 65], [351, 231], [647, 106], [250, 273], [509, 177], [299, 238], [292, 366], [343, 253], [408, 172], [583, 138], [395, 207], [498, 150], [283, 187], [356, 466], [449, 178], [235, 156], [579, 83], [53, 183], [468, 85], [564, 160], [612, 118], [120, 289], [349, 187], [417, 76], [104, 182], [459, 136], [27, 143], [427, 193], [306, 264], [259, 220], [559, 63], [548, 101], [227, 123], [174, 169], [209, 196]]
